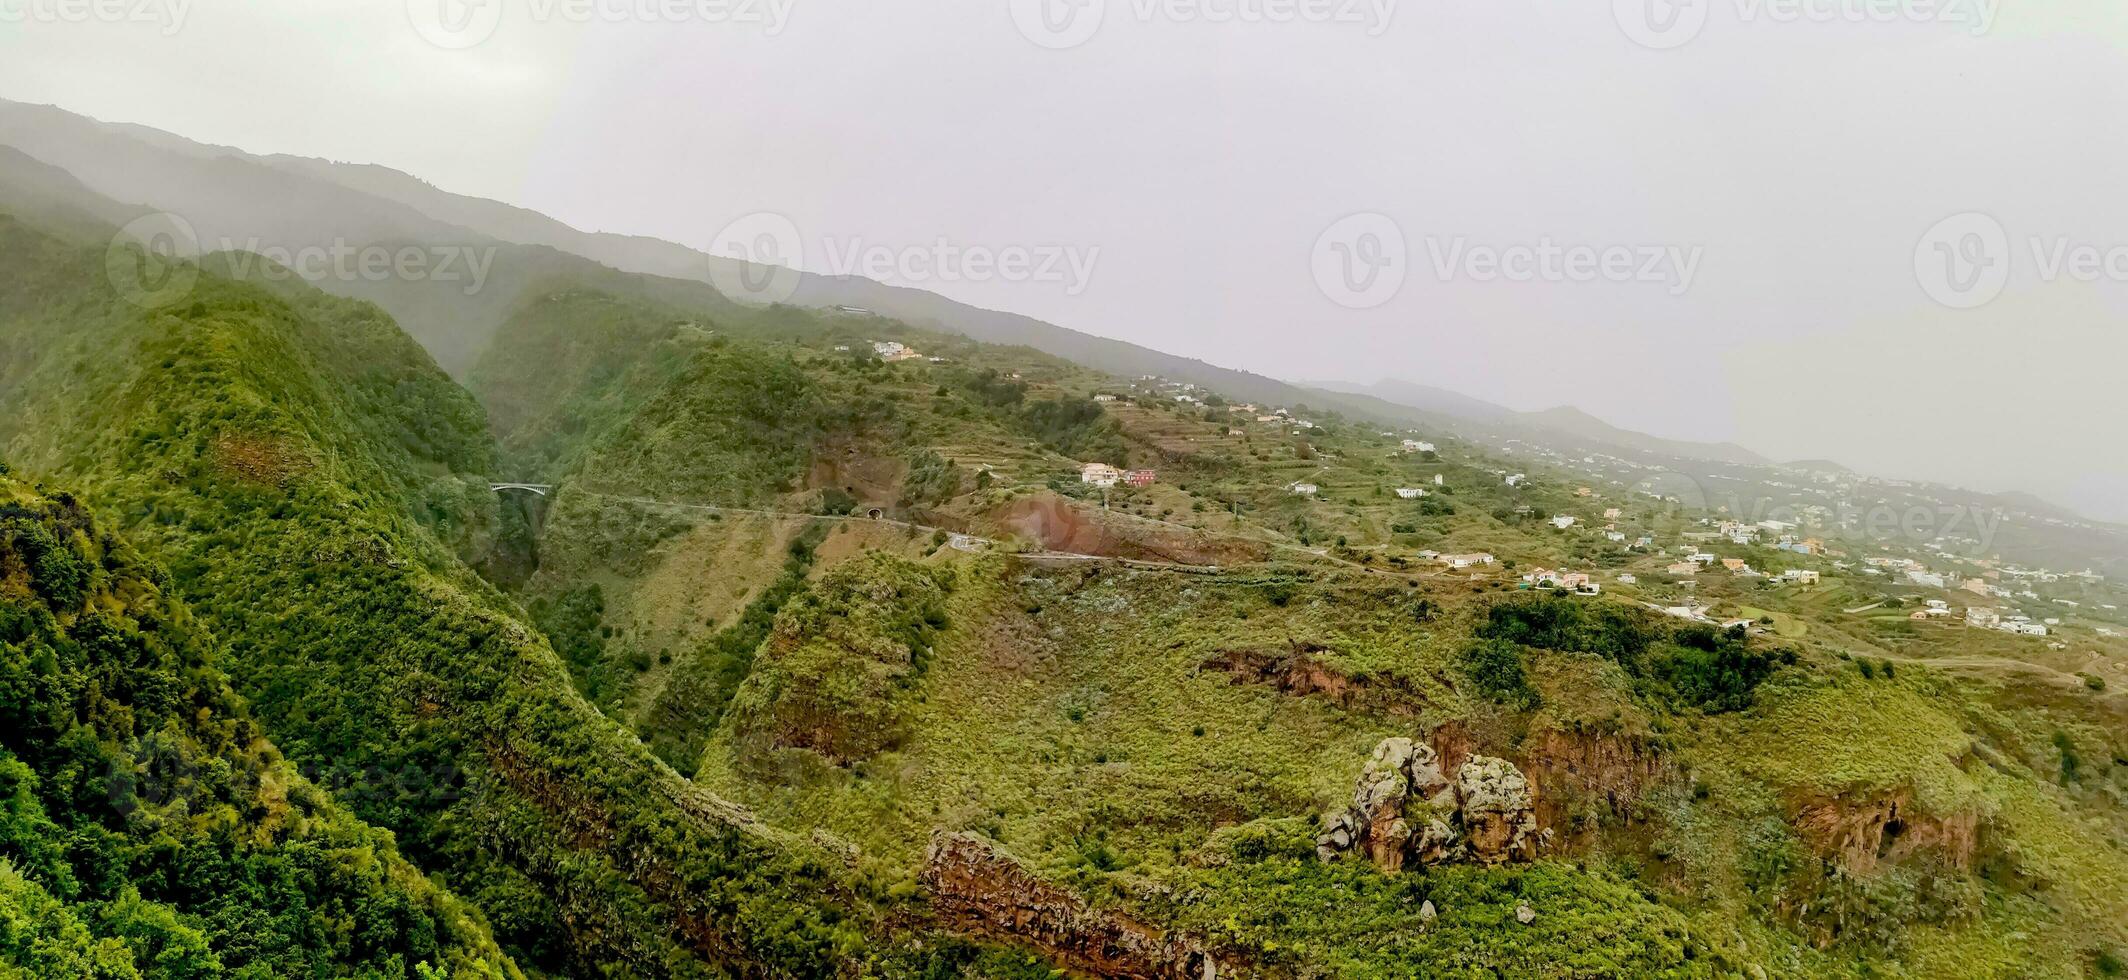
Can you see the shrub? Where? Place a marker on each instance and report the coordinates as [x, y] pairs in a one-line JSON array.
[[2071, 763], [1690, 666], [1494, 667], [1717, 678]]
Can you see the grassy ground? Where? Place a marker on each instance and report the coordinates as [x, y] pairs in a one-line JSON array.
[[1161, 738]]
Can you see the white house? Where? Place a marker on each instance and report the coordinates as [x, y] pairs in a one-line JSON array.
[[1562, 522], [1416, 446], [1517, 479], [1099, 475], [1410, 493], [1800, 576], [1466, 561], [1305, 489]]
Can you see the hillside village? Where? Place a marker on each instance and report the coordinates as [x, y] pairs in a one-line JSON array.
[[1520, 516], [975, 633], [642, 611]]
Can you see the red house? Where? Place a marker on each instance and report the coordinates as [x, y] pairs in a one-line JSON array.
[[1139, 478]]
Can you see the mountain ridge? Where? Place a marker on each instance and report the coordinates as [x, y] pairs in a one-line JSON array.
[[407, 207]]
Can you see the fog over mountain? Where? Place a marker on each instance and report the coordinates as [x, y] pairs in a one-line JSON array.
[[1777, 183], [1272, 489]]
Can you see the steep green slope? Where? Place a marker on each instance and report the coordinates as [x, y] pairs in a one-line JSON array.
[[300, 489], [147, 828], [230, 200], [571, 364], [1162, 738]]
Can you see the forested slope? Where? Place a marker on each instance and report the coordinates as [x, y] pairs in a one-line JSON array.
[[300, 466], [148, 828]]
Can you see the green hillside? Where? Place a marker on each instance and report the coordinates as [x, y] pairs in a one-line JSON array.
[[305, 472], [148, 828], [806, 660]]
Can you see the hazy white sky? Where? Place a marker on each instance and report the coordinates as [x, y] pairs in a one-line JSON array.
[[1797, 152]]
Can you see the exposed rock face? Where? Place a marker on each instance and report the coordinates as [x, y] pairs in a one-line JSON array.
[[1587, 774], [979, 889], [1499, 816], [1863, 831], [1299, 670], [1378, 803], [1406, 808], [1061, 524]]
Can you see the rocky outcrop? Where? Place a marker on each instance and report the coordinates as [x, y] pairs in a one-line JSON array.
[[978, 889], [1059, 523], [1583, 779], [1299, 670], [1407, 809], [1862, 831], [1499, 816]]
